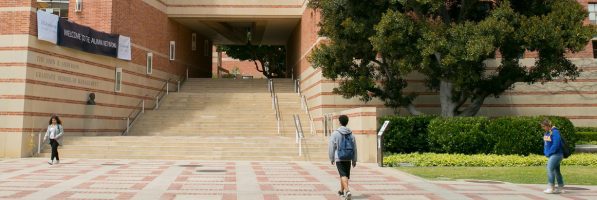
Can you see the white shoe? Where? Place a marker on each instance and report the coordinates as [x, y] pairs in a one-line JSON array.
[[550, 191], [57, 162], [347, 195], [50, 162], [560, 190]]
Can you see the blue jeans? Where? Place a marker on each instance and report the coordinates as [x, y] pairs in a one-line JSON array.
[[553, 170]]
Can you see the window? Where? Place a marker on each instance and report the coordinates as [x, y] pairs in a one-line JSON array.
[[78, 5], [149, 62], [57, 7], [593, 13], [118, 78], [172, 50], [594, 48], [194, 42]]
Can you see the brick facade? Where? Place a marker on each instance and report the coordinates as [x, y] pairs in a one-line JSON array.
[[152, 29], [91, 12], [246, 68]]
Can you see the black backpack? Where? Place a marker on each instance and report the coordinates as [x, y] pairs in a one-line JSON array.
[[565, 149]]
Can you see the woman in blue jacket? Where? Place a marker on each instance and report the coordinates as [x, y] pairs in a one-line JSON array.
[[552, 149]]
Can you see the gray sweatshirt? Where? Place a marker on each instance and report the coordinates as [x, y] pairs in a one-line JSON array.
[[335, 140]]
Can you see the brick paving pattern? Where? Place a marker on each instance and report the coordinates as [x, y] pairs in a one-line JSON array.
[[229, 180]]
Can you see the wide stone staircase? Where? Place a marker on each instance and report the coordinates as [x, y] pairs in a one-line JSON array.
[[211, 119]]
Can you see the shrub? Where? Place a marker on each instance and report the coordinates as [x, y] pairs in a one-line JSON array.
[[587, 136], [585, 129], [516, 135], [460, 135], [406, 134], [482, 160]]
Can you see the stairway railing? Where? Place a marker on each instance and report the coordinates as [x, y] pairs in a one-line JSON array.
[[304, 105], [275, 104], [41, 142], [140, 107], [298, 133]]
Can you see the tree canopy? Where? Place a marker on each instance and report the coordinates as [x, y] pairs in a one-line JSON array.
[[375, 44], [268, 59]]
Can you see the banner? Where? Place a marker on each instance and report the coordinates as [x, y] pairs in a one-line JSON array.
[[124, 47], [86, 39], [47, 26]]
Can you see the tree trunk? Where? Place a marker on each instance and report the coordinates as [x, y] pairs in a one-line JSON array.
[[413, 110], [474, 107], [445, 96]]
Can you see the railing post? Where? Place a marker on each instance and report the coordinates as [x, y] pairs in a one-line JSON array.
[[279, 133], [178, 86], [167, 86], [157, 102], [301, 147], [143, 106], [187, 74], [39, 143], [298, 87], [128, 121]]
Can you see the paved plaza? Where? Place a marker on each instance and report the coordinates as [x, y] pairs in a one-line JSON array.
[[163, 179]]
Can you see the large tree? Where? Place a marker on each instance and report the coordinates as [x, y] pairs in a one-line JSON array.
[[268, 59], [375, 44]]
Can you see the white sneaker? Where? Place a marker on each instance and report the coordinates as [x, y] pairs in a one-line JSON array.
[[347, 195], [560, 190], [57, 162], [550, 191], [50, 162]]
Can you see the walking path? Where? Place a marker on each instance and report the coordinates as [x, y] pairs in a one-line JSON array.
[[32, 178]]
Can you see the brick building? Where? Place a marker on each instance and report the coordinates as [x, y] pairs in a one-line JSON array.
[[38, 78]]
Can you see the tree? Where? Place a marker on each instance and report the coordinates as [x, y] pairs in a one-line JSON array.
[[375, 44], [269, 60]]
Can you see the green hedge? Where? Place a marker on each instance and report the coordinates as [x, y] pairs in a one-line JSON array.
[[587, 136], [469, 135], [516, 135], [585, 129], [482, 160], [522, 135], [406, 134], [460, 135]]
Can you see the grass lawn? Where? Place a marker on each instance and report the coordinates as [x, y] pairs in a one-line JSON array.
[[573, 175]]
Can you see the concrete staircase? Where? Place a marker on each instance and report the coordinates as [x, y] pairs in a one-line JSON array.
[[210, 119]]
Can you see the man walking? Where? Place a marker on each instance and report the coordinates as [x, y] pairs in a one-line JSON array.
[[343, 152]]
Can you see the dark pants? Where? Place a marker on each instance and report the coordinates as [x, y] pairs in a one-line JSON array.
[[344, 168], [54, 145]]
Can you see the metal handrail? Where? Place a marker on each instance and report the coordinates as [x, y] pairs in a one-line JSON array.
[[163, 92], [306, 107], [298, 133], [328, 125], [40, 142], [275, 104], [297, 89], [297, 86], [134, 115]]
